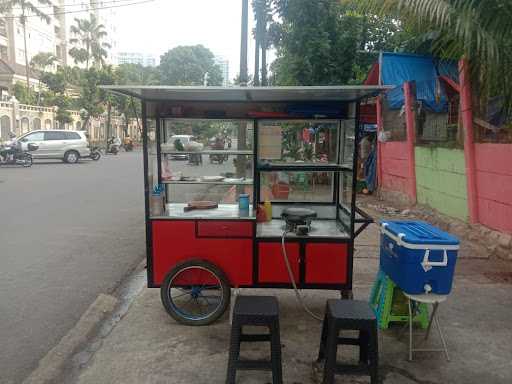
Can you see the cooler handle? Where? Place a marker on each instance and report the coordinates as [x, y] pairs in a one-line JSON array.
[[427, 265]]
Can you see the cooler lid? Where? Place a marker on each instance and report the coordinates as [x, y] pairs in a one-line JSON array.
[[418, 232]]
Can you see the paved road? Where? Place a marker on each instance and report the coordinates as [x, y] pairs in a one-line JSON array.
[[68, 233]]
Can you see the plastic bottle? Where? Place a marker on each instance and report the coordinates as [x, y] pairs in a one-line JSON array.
[[267, 206]]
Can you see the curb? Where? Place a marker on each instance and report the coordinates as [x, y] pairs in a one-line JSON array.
[[50, 367]]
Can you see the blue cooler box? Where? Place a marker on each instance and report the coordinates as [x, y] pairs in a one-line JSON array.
[[418, 257]]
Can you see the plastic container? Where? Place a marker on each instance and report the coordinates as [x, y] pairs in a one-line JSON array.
[[243, 202], [267, 206], [418, 257]]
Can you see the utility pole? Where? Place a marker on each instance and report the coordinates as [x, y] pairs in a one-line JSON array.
[[242, 129], [243, 44]]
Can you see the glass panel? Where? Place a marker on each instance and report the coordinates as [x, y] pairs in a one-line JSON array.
[[296, 186], [222, 194], [345, 198], [192, 135], [194, 167], [152, 157], [347, 143], [298, 141]]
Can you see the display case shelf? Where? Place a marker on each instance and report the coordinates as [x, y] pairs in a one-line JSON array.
[[325, 167], [208, 182], [209, 152]]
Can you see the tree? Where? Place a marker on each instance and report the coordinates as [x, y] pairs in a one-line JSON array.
[[189, 65], [316, 43], [479, 30], [39, 64], [262, 16], [92, 98], [42, 61], [87, 41], [132, 74], [27, 7]]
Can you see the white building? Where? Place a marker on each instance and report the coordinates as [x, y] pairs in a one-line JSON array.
[[136, 58], [106, 14], [41, 36], [224, 67]]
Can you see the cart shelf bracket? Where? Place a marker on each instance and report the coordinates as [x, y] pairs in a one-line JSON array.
[[365, 220]]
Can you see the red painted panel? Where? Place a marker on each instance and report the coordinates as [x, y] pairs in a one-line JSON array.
[[495, 215], [394, 150], [225, 229], [395, 183], [175, 241], [494, 158], [494, 187], [326, 263], [272, 268], [396, 167]]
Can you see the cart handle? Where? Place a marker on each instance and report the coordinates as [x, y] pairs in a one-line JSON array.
[[427, 264]]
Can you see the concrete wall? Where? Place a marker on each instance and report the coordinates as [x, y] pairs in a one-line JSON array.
[[494, 185], [21, 118], [395, 167], [441, 180]]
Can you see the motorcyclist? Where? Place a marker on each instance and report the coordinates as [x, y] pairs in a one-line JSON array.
[[9, 148]]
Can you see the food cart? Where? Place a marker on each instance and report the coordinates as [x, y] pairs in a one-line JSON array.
[[281, 204]]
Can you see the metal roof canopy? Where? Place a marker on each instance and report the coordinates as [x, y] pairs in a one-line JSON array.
[[345, 93]]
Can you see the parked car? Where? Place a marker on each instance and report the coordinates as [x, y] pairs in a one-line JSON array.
[[68, 146], [184, 140]]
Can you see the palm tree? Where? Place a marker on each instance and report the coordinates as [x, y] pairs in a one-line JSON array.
[[28, 8], [87, 42], [478, 30], [40, 64]]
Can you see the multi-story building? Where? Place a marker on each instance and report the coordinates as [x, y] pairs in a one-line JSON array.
[[136, 58], [47, 36], [41, 36], [224, 67], [105, 13]]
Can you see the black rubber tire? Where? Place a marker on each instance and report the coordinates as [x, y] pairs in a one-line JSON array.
[[28, 160], [96, 155], [67, 156], [226, 293]]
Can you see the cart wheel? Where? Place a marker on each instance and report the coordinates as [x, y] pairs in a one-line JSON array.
[[195, 292]]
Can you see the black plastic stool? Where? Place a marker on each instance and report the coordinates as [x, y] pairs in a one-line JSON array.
[[259, 311], [349, 315]]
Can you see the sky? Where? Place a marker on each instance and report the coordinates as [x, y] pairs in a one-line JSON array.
[[157, 26]]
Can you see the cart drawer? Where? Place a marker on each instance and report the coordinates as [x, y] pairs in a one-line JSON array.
[[224, 229]]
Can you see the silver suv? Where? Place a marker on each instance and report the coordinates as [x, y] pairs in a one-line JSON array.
[[68, 146]]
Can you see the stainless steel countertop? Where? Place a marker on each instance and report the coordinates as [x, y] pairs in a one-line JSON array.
[[319, 228], [224, 211]]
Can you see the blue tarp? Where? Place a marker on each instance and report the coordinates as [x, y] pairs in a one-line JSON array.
[[397, 68]]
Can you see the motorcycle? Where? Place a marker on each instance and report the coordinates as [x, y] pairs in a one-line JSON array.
[[113, 149], [128, 146], [95, 153], [12, 154]]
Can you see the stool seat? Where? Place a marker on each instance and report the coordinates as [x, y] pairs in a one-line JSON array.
[[350, 315], [427, 298], [261, 306], [260, 311], [350, 310]]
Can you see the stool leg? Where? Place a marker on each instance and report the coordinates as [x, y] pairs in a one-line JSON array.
[[442, 337], [374, 355], [234, 353], [275, 353], [323, 339], [410, 329], [363, 346], [331, 350], [429, 327]]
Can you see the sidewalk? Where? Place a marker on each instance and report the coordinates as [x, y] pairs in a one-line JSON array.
[[147, 346]]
